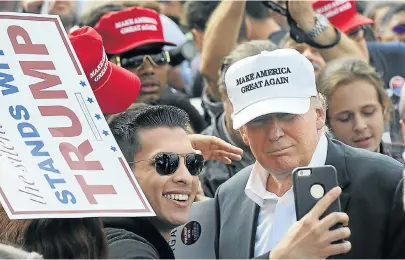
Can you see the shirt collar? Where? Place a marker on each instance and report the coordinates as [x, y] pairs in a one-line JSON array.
[[256, 185]]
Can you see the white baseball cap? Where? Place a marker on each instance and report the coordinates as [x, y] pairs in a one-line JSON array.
[[280, 81]]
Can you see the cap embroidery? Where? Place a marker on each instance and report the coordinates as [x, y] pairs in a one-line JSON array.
[[102, 67], [264, 82]]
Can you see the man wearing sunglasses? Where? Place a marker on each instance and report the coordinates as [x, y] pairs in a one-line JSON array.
[[154, 141], [134, 39], [166, 162]]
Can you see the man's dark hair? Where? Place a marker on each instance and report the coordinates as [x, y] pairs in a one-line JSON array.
[[92, 18], [388, 16], [126, 126], [198, 13], [257, 10]]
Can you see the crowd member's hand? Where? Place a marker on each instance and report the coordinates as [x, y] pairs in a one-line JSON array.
[[302, 12], [311, 237], [214, 148]]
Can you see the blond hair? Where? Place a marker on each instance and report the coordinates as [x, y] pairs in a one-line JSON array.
[[347, 70]]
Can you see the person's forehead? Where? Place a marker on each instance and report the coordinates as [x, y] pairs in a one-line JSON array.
[[146, 49], [357, 92], [164, 139]]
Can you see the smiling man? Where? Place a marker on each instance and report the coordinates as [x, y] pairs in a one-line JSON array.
[[166, 165], [154, 141]]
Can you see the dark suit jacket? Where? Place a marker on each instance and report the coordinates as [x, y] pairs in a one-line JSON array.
[[372, 197]]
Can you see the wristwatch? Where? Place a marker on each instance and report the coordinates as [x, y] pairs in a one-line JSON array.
[[321, 23]]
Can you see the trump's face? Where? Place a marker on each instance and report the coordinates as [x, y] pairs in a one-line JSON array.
[[282, 142]]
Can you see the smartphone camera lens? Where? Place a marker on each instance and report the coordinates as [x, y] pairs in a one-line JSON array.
[[304, 173]]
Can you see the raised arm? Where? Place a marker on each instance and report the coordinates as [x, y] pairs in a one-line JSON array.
[[221, 36], [303, 13]]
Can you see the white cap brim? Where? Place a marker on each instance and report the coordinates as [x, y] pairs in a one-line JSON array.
[[289, 105]]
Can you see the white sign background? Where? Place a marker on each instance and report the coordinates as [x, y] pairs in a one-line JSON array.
[[25, 191]]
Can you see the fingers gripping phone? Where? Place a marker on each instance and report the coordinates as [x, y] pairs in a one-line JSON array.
[[310, 184]]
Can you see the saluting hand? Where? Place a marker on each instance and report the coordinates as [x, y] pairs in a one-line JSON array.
[[214, 148]]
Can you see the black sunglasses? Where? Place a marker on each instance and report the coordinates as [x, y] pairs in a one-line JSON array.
[[158, 59], [168, 163]]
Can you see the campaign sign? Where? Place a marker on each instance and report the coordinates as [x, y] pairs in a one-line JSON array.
[[58, 158]]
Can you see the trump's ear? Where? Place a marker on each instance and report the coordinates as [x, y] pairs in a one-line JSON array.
[[243, 134], [320, 108], [320, 116]]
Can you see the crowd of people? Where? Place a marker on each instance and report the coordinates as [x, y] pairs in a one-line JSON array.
[[218, 100]]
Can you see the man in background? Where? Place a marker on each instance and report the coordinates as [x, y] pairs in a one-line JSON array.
[[142, 52]]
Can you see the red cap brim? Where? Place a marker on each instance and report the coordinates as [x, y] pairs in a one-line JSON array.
[[354, 22], [120, 50], [119, 92]]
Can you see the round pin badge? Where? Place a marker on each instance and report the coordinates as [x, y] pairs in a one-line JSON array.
[[191, 233], [396, 83]]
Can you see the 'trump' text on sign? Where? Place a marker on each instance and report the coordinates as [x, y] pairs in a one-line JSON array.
[[57, 156]]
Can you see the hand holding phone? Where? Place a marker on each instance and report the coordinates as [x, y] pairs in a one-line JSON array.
[[312, 236]]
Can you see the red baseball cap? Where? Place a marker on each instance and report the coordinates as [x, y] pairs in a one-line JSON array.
[[129, 29], [342, 14], [114, 87]]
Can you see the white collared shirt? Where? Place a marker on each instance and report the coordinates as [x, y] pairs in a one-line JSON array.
[[277, 214]]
